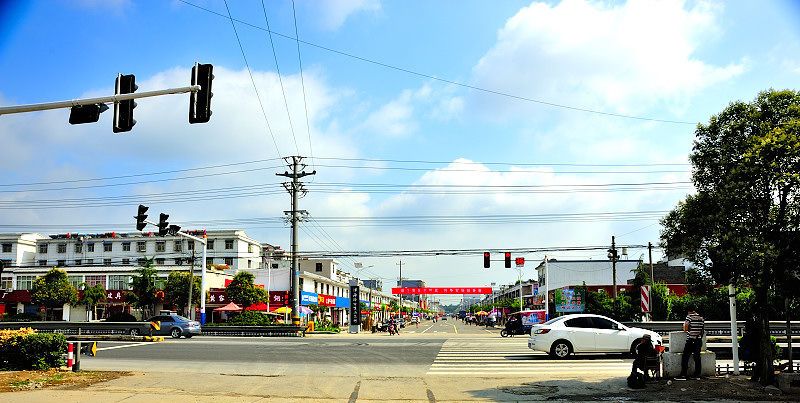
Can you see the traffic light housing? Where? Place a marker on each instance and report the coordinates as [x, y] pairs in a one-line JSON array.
[[123, 110], [200, 101], [173, 229], [140, 217], [486, 260], [508, 260], [163, 225], [86, 113]]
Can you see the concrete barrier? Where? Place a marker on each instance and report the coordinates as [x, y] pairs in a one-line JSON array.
[[677, 340], [671, 359]]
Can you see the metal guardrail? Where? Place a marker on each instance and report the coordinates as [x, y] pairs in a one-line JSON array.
[[255, 331], [83, 328], [747, 368], [716, 328]]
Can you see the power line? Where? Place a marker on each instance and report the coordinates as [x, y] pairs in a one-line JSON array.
[[303, 86], [252, 80], [504, 163], [456, 83]]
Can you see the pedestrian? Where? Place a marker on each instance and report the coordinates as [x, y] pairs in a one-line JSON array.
[[643, 350], [694, 326]]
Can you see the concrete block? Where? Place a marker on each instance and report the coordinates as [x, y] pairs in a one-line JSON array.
[[672, 364], [789, 383], [677, 340]]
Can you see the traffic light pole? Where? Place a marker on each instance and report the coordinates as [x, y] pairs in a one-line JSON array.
[[7, 110]]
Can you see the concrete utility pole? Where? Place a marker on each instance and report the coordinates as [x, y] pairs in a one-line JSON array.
[[652, 277], [294, 187], [546, 290], [191, 285], [612, 255], [401, 286]]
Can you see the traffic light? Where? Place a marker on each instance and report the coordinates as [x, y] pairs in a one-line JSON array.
[[486, 260], [200, 101], [508, 260], [123, 110], [163, 225], [86, 113], [173, 229], [140, 224]]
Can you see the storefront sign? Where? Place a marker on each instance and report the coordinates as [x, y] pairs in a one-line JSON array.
[[355, 311], [278, 298], [23, 296], [326, 300], [568, 300], [115, 296], [308, 298], [442, 290], [217, 296]]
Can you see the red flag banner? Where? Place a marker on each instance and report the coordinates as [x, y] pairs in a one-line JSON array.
[[442, 290]]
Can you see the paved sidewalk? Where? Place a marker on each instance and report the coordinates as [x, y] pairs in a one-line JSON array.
[[327, 386]]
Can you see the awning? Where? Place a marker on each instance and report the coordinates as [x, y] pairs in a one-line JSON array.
[[231, 307]]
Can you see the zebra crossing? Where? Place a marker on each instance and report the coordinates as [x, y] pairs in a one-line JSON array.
[[490, 357]]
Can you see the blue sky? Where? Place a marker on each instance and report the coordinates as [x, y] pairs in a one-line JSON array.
[[668, 61]]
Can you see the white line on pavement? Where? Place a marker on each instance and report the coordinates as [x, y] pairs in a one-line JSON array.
[[429, 328], [124, 346]]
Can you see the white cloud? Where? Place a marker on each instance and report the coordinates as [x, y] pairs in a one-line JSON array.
[[618, 58], [397, 117], [332, 14]]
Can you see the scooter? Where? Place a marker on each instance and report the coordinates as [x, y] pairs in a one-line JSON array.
[[513, 332], [393, 329]]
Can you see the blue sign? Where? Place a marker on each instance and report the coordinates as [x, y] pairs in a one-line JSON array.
[[342, 302], [308, 298]]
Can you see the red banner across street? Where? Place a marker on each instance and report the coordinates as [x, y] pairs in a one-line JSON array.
[[442, 290]]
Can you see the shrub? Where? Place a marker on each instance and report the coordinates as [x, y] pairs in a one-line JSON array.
[[27, 350], [24, 317], [250, 318]]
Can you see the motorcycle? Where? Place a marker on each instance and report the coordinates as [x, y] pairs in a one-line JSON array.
[[393, 329], [511, 331]]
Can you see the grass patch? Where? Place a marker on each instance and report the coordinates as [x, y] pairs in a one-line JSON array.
[[11, 381]]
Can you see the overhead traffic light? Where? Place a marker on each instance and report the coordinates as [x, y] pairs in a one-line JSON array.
[[86, 113], [200, 101], [486, 260], [140, 217], [163, 225], [508, 260], [173, 229], [123, 110]]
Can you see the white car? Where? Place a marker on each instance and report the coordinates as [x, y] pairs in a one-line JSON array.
[[586, 333]]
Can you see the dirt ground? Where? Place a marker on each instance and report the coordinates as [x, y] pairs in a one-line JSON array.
[[13, 381]]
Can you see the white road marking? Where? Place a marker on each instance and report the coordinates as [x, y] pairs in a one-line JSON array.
[[125, 346], [429, 328]]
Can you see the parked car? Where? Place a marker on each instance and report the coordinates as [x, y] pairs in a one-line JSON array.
[[401, 323], [176, 326], [586, 333]]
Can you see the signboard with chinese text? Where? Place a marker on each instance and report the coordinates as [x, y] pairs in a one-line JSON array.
[[326, 300], [355, 310], [441, 290], [568, 300], [308, 298]]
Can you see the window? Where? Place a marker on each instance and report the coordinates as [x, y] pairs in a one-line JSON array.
[[160, 262], [62, 248], [89, 262], [78, 248], [75, 281], [602, 323], [189, 245], [107, 262], [249, 264], [141, 246], [126, 246], [582, 322], [229, 261], [161, 246], [5, 283], [90, 247], [61, 263], [43, 263], [7, 248], [209, 261], [43, 248], [249, 248], [25, 282], [118, 282], [92, 281], [141, 262], [274, 265], [318, 267], [178, 246], [179, 262], [126, 261], [77, 262], [229, 244], [210, 244], [107, 246]]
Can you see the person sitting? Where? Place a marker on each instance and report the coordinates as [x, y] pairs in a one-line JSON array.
[[643, 350]]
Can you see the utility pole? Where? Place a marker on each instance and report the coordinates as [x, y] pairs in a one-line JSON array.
[[294, 187], [652, 277], [612, 255], [401, 286], [191, 285]]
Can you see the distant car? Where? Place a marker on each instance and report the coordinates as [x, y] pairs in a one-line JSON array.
[[176, 326], [444, 317], [415, 319], [586, 333], [401, 322]]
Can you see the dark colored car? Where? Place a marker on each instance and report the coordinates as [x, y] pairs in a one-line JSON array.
[[176, 326]]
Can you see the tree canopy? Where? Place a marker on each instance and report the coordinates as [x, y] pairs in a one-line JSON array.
[[741, 225], [144, 288], [243, 290], [176, 290], [53, 290]]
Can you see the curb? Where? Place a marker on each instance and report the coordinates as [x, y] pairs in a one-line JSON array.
[[153, 338]]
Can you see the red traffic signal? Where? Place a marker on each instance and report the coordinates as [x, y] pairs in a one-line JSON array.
[[486, 260], [508, 260], [520, 261]]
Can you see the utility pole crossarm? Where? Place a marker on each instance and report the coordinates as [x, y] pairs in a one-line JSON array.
[[7, 110]]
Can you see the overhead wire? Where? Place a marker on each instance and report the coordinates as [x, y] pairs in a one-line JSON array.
[[252, 80], [303, 86], [451, 82]]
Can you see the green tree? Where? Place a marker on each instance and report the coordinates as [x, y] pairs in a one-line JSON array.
[[244, 291], [176, 290], [93, 295], [394, 306], [743, 221], [144, 289], [53, 290]]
